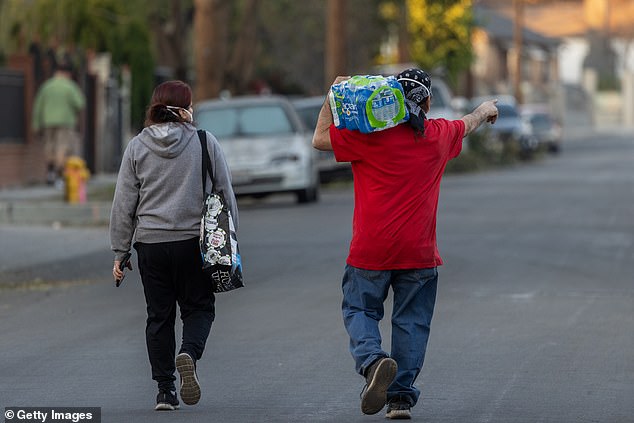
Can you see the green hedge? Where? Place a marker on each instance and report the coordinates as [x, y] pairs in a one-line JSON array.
[[483, 150]]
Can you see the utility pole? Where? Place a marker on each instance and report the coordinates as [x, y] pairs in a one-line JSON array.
[[403, 35], [336, 46], [518, 43]]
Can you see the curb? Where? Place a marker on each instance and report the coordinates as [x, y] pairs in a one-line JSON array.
[[54, 213]]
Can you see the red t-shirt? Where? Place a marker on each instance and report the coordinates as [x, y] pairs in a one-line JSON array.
[[396, 188]]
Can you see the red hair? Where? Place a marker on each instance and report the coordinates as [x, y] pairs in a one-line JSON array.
[[169, 93]]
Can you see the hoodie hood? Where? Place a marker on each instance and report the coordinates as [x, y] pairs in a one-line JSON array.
[[169, 139]]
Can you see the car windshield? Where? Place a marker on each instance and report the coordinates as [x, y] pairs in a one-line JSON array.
[[246, 121], [540, 121], [506, 111], [309, 115], [543, 120]]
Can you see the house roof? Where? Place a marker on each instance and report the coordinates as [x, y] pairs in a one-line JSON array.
[[565, 18], [501, 27]]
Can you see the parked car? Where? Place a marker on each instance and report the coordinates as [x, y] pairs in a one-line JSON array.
[[267, 147], [308, 109], [539, 127], [441, 101]]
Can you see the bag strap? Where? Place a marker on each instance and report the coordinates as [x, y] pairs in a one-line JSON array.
[[206, 166]]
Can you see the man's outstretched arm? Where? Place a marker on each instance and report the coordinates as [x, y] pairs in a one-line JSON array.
[[485, 112]]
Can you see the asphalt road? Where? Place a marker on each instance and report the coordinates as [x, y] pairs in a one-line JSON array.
[[534, 319]]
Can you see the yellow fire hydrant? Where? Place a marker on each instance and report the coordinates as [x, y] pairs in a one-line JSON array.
[[76, 175]]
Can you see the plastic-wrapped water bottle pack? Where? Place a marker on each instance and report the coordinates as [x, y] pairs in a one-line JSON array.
[[368, 103]]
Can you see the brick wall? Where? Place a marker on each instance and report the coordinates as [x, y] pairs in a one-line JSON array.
[[23, 163]]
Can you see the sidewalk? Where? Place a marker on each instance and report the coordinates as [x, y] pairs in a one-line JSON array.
[[45, 205]]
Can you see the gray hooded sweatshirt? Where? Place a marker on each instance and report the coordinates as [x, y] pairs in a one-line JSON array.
[[159, 192]]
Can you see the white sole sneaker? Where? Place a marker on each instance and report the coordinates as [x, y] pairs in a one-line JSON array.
[[163, 406], [398, 415], [190, 389], [166, 401]]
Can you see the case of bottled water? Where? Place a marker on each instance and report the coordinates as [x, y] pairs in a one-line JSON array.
[[368, 103]]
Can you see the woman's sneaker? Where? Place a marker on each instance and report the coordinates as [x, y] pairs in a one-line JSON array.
[[398, 409], [190, 389], [378, 378], [166, 400]]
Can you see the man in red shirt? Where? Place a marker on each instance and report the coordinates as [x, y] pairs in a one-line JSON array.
[[397, 174]]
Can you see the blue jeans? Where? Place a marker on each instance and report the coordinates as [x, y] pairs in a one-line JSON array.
[[364, 292]]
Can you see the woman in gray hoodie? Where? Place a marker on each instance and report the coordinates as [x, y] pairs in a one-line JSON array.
[[157, 209]]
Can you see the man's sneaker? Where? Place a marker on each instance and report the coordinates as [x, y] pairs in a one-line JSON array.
[[190, 389], [398, 409], [378, 378], [166, 400]]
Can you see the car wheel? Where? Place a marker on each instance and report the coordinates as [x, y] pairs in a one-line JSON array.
[[308, 195], [554, 148]]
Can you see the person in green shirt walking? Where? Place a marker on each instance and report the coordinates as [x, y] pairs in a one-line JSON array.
[[57, 105]]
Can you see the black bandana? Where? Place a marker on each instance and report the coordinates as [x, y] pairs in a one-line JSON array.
[[416, 84]]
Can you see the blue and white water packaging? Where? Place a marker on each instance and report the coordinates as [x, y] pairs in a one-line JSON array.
[[368, 103]]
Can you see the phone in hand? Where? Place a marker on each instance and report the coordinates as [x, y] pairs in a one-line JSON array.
[[123, 265]]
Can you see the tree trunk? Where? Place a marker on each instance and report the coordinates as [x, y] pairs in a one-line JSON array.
[[242, 63], [178, 40], [211, 25]]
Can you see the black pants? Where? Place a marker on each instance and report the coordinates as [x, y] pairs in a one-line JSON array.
[[171, 273]]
